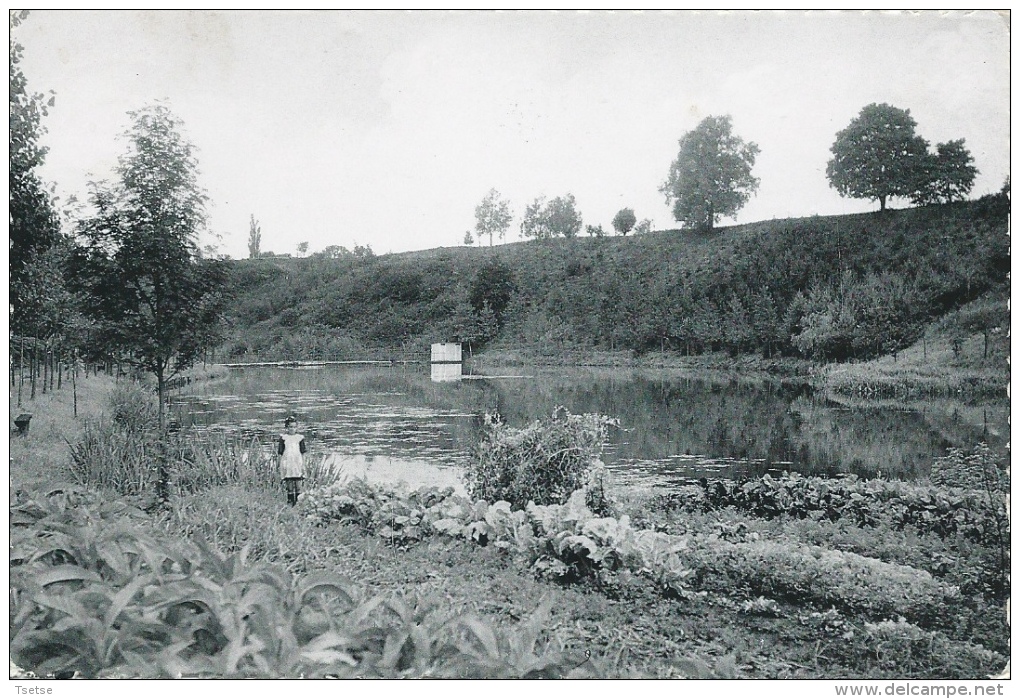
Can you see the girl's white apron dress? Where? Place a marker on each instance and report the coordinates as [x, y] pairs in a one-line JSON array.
[[291, 461]]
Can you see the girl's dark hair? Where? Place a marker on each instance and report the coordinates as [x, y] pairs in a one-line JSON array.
[[289, 421]]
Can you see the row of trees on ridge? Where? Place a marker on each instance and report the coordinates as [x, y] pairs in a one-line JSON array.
[[543, 220], [877, 156]]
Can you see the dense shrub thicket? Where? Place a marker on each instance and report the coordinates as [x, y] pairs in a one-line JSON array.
[[542, 463], [833, 287]]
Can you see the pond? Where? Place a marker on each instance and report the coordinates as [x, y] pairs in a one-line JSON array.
[[394, 423]]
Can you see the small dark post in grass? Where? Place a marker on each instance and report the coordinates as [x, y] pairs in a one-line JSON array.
[[163, 473], [22, 421]]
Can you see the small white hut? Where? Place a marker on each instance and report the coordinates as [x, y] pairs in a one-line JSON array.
[[447, 361]]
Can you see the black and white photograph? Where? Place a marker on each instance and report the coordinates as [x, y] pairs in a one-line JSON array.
[[662, 345]]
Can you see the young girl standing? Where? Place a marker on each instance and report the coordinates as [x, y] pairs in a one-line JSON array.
[[291, 449]]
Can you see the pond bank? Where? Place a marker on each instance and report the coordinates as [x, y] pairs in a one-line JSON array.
[[785, 367], [916, 372], [878, 381], [931, 368]]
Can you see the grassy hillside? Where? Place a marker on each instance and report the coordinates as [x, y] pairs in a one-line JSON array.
[[823, 288], [964, 352]]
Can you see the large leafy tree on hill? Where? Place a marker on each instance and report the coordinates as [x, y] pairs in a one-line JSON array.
[[34, 226], [624, 221], [711, 176], [156, 302], [879, 155], [492, 216], [547, 220]]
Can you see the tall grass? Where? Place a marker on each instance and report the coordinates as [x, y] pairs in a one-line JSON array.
[[134, 407], [202, 461], [111, 456], [232, 518], [123, 453]]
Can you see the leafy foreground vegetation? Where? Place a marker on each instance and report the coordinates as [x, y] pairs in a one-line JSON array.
[[230, 582], [99, 598]]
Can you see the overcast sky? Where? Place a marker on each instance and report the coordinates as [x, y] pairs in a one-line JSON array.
[[387, 128]]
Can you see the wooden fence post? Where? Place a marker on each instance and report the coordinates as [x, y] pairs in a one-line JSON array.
[[21, 377], [34, 368], [74, 381]]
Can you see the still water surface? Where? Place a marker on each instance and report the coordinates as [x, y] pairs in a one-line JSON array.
[[395, 424]]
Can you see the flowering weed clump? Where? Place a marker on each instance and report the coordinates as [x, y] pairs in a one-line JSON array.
[[970, 469], [542, 463]]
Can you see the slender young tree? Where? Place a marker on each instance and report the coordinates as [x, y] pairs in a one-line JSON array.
[[643, 227], [254, 239], [152, 297], [33, 224], [492, 216]]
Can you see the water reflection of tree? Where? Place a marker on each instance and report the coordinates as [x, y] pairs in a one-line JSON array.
[[767, 425]]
